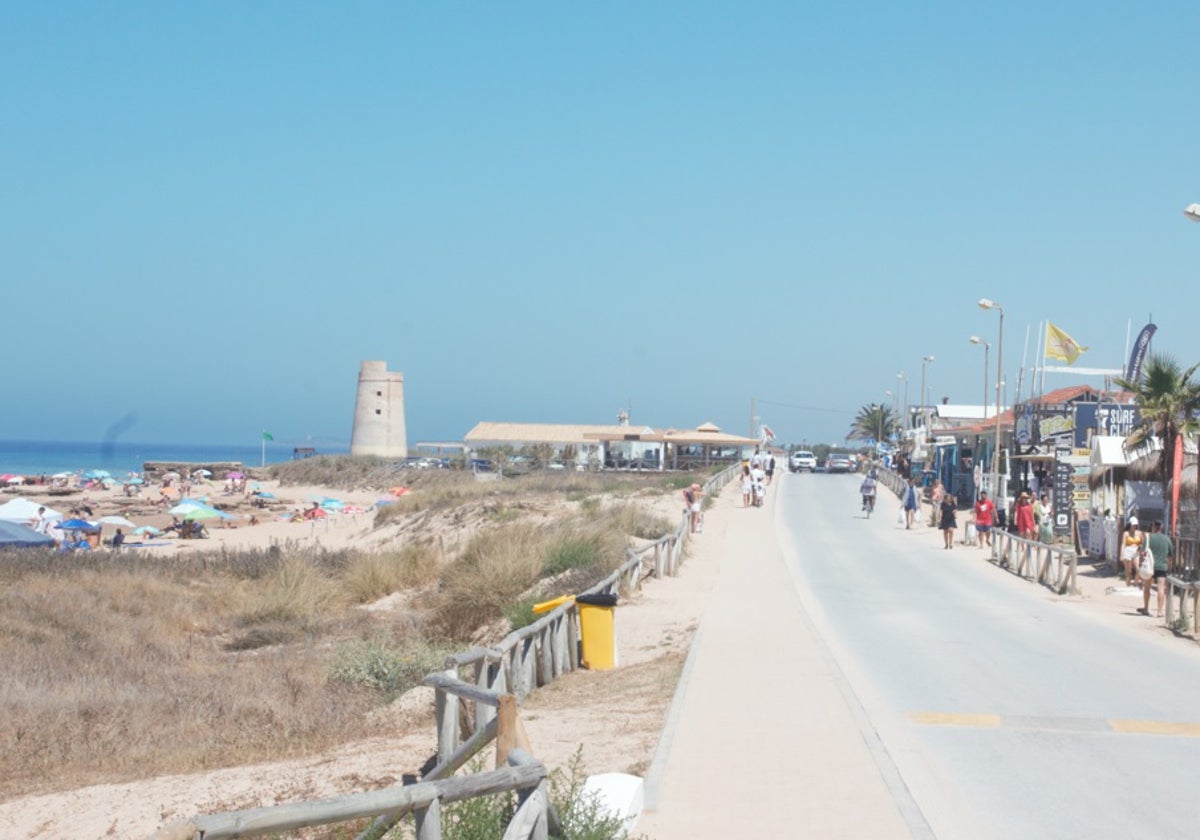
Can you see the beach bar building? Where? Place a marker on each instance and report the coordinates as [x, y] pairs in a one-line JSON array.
[[620, 446]]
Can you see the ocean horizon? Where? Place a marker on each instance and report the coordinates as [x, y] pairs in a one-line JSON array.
[[36, 457]]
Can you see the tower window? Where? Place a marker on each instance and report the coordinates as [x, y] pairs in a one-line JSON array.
[[379, 411], [379, 393]]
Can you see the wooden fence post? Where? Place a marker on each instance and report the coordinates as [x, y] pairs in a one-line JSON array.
[[506, 730], [429, 821], [446, 707]]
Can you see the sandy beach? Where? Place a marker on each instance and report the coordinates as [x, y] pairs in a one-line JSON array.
[[272, 523]]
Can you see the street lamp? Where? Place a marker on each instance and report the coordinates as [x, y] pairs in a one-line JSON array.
[[984, 303], [1192, 211], [924, 410], [986, 347], [900, 376]]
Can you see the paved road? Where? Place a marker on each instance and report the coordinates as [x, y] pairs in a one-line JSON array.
[[1048, 720]]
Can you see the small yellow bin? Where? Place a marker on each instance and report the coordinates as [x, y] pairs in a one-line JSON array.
[[598, 631]]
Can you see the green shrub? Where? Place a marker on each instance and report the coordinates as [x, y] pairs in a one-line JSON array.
[[389, 669], [574, 551], [582, 817]]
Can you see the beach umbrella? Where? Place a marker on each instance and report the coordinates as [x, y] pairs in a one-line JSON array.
[[205, 473], [188, 505], [61, 475], [14, 479], [6, 476], [353, 509], [135, 480], [97, 474], [147, 529], [263, 494], [234, 474], [332, 504], [77, 525], [205, 513], [116, 520]]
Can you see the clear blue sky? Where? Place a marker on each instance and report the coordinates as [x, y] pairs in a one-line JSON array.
[[211, 212]]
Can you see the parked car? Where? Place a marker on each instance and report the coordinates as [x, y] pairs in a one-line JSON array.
[[802, 459], [840, 464]]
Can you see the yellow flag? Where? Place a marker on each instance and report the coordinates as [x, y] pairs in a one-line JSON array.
[[1061, 346]]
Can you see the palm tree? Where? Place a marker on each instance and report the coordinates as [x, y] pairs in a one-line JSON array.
[[873, 421], [1168, 397]]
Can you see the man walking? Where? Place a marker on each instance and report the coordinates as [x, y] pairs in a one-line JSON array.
[[985, 517]]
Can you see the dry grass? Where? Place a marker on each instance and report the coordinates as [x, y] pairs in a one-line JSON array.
[[121, 674], [372, 576], [123, 666]]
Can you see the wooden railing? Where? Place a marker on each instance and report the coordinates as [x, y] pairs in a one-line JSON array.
[[543, 651], [1050, 565], [423, 801], [485, 705]]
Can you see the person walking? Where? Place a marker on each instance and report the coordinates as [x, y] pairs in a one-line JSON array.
[[985, 518], [948, 521], [747, 486], [1043, 515], [1023, 517], [935, 509], [911, 502], [1161, 549], [1131, 548], [692, 496]]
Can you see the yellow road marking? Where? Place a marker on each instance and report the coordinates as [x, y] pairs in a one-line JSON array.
[[1156, 727], [955, 719]]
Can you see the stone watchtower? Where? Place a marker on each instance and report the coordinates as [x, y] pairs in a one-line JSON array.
[[379, 413]]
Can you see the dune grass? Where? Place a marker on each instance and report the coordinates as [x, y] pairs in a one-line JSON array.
[[125, 666]]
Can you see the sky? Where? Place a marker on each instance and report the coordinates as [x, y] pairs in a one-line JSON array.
[[211, 213]]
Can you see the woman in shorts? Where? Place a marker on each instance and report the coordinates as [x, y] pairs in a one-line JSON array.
[[1131, 549]]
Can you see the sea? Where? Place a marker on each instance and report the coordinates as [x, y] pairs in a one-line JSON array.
[[37, 457]]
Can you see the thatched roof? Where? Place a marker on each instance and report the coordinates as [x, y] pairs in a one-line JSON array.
[[1147, 467]]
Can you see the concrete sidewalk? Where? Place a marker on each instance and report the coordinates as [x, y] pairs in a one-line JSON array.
[[765, 738]]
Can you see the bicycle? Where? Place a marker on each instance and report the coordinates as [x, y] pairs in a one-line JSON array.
[[869, 504]]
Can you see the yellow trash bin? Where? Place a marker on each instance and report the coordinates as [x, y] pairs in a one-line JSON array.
[[598, 631]]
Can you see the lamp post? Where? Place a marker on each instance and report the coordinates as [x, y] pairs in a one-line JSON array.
[[900, 376], [1192, 211], [889, 393], [924, 411], [984, 303], [986, 347]]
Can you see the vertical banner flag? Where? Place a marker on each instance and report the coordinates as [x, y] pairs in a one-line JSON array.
[[1061, 346], [1133, 372], [267, 435], [767, 433]]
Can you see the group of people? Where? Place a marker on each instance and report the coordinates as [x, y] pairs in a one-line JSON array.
[[1145, 558], [757, 474]]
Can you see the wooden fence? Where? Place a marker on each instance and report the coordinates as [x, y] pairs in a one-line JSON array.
[[423, 800], [471, 713], [1050, 565], [543, 651]]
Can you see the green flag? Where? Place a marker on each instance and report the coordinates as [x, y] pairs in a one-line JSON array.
[[267, 435]]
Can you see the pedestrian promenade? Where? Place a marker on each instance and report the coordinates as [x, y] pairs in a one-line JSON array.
[[764, 737]]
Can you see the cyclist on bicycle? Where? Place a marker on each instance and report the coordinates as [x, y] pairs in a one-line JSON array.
[[868, 491]]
